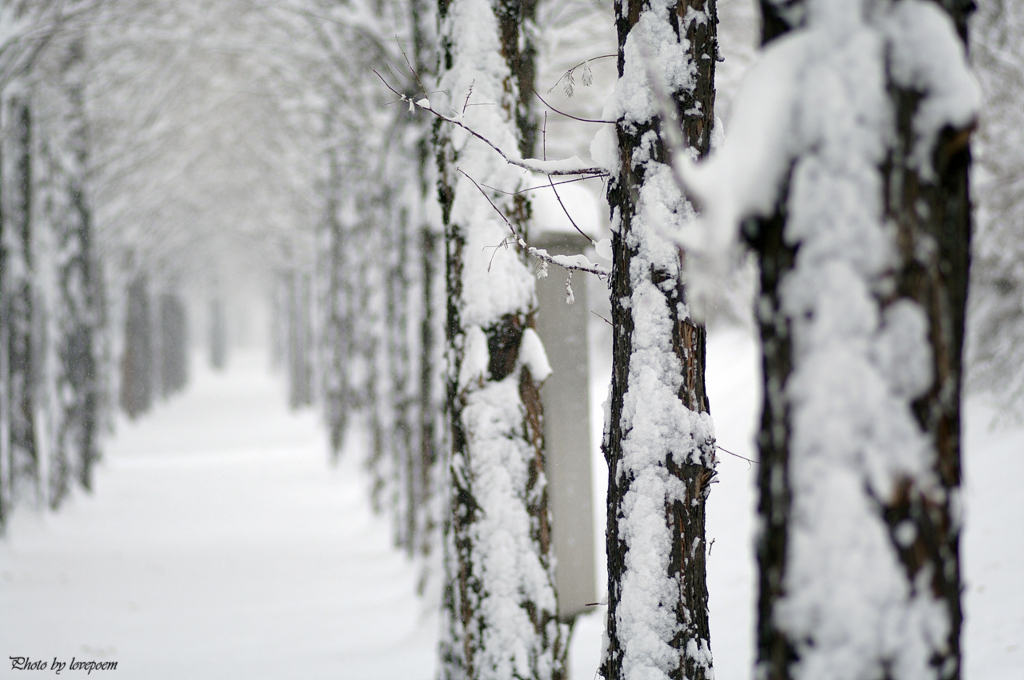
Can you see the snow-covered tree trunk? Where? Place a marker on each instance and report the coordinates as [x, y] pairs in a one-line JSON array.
[[501, 609], [863, 285], [23, 466], [430, 393], [430, 384], [296, 370], [373, 394], [278, 321], [337, 330], [106, 363], [400, 379], [659, 441], [429, 283], [76, 445]]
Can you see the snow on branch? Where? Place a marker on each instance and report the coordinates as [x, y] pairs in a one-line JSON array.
[[570, 166], [571, 262], [579, 263]]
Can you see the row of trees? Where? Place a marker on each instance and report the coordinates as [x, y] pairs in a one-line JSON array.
[[391, 217], [862, 459], [486, 489], [133, 134], [69, 351], [50, 400]]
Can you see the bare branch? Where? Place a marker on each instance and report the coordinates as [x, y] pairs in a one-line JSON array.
[[752, 462], [412, 69], [569, 115], [592, 171], [544, 137], [484, 193], [569, 71], [539, 186], [541, 254], [566, 211]]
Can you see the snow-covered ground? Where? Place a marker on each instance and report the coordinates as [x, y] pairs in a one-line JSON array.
[[220, 544]]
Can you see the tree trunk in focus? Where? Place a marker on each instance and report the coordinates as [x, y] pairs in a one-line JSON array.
[[660, 468], [500, 606]]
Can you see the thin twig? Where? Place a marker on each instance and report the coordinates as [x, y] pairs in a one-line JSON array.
[[569, 115], [544, 135], [391, 71], [503, 244], [585, 61], [496, 209], [540, 254], [754, 462], [566, 211], [412, 69], [539, 186], [592, 172]]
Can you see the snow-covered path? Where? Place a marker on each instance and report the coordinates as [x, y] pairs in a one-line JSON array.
[[219, 544]]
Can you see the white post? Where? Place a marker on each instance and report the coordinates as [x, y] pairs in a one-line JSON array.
[[563, 329]]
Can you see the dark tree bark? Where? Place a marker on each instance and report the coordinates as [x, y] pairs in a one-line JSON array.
[[430, 403], [23, 466], [400, 431], [4, 409], [775, 651], [934, 211], [367, 356], [679, 345]]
